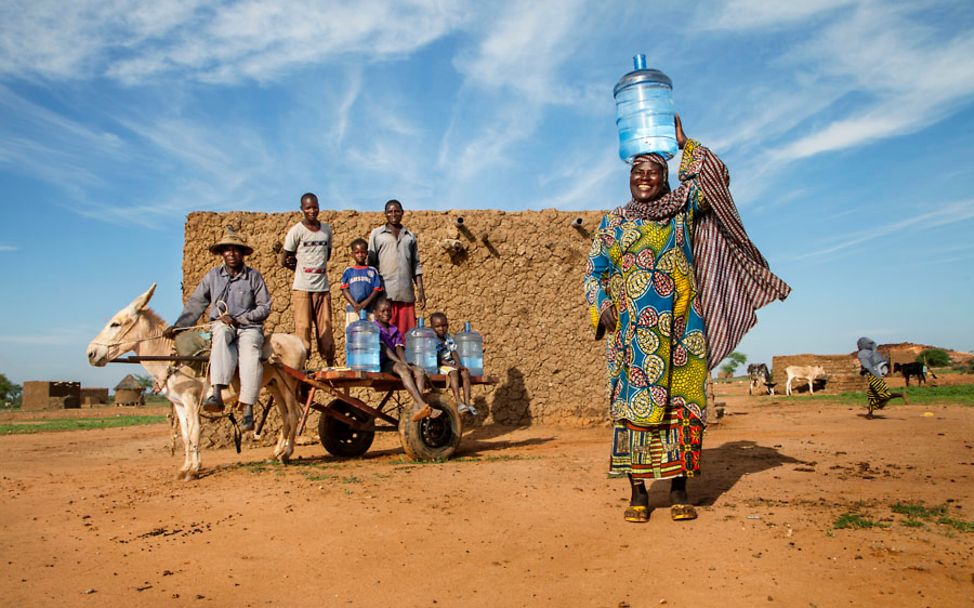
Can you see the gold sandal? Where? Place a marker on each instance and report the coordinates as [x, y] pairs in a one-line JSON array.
[[683, 512], [637, 514]]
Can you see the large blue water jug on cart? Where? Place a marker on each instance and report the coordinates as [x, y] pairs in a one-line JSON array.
[[470, 347], [362, 344], [421, 347], [645, 112]]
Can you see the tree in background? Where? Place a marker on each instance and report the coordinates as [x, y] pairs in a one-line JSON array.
[[934, 357], [731, 363], [146, 382], [10, 393]]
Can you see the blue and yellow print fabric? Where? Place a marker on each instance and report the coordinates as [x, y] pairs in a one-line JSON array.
[[657, 357]]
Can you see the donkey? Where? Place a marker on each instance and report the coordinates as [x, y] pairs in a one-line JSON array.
[[138, 329]]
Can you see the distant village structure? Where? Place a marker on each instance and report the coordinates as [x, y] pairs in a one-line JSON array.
[[129, 392], [93, 397], [47, 395]]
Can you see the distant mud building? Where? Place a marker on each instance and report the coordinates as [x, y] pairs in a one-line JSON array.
[[48, 395]]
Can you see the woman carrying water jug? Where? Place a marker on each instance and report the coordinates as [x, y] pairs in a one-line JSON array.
[[674, 281]]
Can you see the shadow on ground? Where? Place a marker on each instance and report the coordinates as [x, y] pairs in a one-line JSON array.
[[723, 466]]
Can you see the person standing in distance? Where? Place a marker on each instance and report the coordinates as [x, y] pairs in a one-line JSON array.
[[394, 250], [307, 249]]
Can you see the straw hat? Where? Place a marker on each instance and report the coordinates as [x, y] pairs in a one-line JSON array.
[[230, 237]]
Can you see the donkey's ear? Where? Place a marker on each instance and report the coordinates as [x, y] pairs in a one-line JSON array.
[[142, 301]]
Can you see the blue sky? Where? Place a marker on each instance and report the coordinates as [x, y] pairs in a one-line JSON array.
[[846, 126]]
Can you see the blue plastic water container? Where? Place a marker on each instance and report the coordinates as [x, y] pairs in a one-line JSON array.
[[362, 344], [470, 347], [645, 112], [421, 347]]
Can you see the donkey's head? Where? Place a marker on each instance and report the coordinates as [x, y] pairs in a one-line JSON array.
[[122, 332]]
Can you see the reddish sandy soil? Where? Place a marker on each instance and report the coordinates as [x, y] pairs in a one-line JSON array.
[[524, 517]]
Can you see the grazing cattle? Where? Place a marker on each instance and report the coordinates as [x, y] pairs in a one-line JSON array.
[[137, 328], [911, 369], [807, 372], [760, 376]]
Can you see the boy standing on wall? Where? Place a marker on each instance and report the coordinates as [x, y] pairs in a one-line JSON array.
[[394, 250], [307, 249], [361, 284]]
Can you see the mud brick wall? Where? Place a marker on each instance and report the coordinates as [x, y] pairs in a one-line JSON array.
[[843, 372], [43, 395], [94, 396], [516, 276]]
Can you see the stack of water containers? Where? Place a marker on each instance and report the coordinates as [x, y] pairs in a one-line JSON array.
[[645, 112], [470, 347], [421, 344], [362, 344]]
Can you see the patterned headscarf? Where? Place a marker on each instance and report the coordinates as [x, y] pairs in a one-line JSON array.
[[663, 207]]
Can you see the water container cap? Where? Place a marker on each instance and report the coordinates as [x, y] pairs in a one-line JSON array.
[[641, 74], [421, 322], [362, 314], [466, 326]]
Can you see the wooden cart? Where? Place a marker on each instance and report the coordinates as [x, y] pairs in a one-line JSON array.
[[347, 425]]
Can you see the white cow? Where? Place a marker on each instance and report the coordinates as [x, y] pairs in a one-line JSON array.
[[807, 372], [137, 328]]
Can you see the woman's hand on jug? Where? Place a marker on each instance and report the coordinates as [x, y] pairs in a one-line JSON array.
[[681, 137]]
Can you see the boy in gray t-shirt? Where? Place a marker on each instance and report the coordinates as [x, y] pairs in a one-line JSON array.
[[307, 249]]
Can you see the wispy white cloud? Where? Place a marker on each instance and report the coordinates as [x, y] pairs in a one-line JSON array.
[[754, 14], [9, 248], [949, 214]]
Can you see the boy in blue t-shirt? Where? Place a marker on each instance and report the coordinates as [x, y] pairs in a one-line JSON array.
[[450, 364], [361, 284]]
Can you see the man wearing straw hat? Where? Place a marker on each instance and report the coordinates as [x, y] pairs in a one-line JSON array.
[[239, 302]]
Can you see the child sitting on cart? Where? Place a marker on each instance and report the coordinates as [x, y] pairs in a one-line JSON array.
[[392, 358], [450, 363]]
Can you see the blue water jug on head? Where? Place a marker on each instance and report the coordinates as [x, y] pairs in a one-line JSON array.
[[362, 344], [645, 112], [470, 347], [421, 344]]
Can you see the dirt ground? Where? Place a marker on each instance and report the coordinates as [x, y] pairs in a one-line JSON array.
[[523, 517]]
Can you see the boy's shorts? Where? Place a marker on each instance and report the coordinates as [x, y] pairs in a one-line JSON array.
[[446, 369]]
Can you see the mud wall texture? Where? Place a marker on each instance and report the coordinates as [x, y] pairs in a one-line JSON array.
[[516, 276], [842, 371]]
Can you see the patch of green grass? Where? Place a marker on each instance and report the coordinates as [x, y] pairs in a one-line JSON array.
[[918, 510], [351, 479], [957, 524], [312, 476], [857, 521], [958, 394], [913, 523], [76, 424]]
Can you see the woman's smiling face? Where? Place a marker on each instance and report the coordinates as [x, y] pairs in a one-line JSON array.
[[646, 181]]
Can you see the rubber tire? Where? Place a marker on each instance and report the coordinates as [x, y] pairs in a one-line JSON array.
[[338, 438], [431, 438]]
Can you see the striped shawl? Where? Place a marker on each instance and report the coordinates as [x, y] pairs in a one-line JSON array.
[[733, 277]]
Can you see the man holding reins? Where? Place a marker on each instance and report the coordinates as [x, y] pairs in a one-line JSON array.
[[239, 303]]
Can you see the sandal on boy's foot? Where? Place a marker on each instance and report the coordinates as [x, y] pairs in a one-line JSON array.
[[213, 404], [467, 409], [435, 413], [637, 514], [683, 512], [424, 412]]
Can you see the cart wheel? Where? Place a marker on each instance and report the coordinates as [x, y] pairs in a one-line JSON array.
[[339, 438], [431, 438]]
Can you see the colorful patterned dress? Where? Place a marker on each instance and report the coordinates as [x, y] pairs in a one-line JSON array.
[[657, 357]]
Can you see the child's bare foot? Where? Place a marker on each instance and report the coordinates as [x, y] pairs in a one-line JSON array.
[[425, 412]]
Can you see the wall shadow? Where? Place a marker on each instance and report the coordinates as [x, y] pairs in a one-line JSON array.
[[512, 402]]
